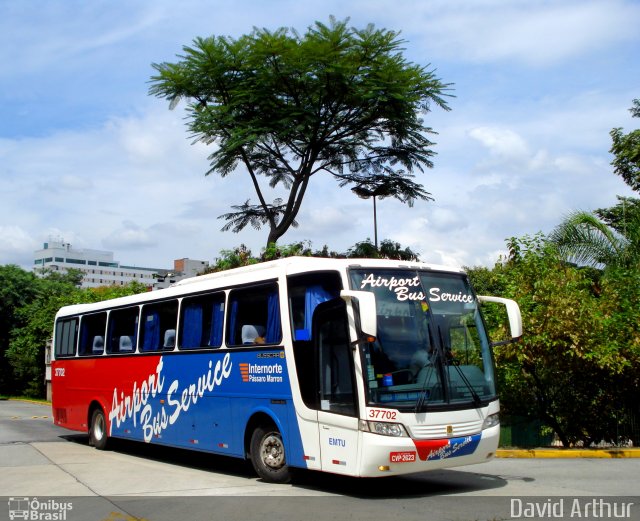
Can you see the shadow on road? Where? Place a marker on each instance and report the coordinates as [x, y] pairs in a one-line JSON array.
[[424, 484]]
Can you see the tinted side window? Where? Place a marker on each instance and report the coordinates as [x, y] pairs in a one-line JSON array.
[[306, 292], [254, 316], [92, 331], [158, 331], [335, 361], [123, 330], [201, 321], [66, 337]]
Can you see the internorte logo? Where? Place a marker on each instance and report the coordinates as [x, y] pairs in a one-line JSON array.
[[261, 373]]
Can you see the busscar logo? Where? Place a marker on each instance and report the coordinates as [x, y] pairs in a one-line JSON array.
[[51, 509], [271, 355], [261, 373]]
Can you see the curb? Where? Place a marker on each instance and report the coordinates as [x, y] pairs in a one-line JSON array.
[[28, 400], [612, 453]]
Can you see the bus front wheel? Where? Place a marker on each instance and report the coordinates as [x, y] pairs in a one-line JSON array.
[[268, 456], [98, 430]]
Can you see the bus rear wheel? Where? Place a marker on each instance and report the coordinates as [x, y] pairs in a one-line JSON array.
[[98, 430], [268, 455]]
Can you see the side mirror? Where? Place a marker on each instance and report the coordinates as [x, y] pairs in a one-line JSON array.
[[364, 308], [513, 312]]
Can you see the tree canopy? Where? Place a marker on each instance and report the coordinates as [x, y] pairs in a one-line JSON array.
[[576, 369], [608, 237], [585, 239], [27, 310], [626, 151], [336, 100]]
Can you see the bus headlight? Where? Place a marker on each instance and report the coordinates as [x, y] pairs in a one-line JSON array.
[[491, 421], [384, 428]]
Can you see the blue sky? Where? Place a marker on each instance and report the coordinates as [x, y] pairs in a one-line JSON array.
[[87, 155]]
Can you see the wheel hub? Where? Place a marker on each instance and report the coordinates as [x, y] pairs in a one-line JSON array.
[[273, 452]]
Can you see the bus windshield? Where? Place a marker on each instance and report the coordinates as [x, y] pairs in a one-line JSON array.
[[432, 349]]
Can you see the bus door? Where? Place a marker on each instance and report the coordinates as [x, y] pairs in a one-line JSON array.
[[337, 396]]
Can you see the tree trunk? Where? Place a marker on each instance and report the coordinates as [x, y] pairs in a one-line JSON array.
[[273, 237], [545, 406]]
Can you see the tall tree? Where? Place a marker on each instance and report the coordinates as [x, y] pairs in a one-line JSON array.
[[608, 236], [585, 239], [29, 337], [576, 368], [33, 326], [17, 289], [626, 151], [337, 100], [388, 250]]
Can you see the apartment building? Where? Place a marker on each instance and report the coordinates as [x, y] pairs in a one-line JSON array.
[[98, 267]]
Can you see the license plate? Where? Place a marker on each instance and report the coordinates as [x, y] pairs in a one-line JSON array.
[[402, 457]]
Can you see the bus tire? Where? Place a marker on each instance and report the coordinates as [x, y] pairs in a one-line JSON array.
[[98, 430], [268, 454]]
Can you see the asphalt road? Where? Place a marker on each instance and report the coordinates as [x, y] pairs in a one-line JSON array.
[[54, 471]]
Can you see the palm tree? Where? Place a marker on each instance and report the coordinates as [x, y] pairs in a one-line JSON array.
[[388, 250], [585, 239]]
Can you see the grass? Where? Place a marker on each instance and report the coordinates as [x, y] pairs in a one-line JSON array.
[[25, 398]]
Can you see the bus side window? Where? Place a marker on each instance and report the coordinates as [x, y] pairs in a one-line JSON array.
[[201, 321], [258, 307], [158, 329], [66, 337], [123, 330], [306, 292], [336, 384], [92, 329]]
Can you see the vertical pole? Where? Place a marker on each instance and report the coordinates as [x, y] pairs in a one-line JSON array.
[[375, 223]]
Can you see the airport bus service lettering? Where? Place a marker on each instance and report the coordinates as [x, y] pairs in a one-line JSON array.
[[436, 295], [402, 287], [136, 407]]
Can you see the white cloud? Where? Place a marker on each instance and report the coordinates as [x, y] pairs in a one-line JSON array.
[[327, 219], [110, 184], [521, 148], [63, 34], [445, 218], [129, 236], [17, 244], [501, 142], [538, 32]]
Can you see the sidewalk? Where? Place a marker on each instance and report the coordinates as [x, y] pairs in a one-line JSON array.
[[569, 453]]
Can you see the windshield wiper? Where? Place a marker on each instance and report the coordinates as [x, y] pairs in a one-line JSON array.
[[456, 363], [424, 391], [476, 398]]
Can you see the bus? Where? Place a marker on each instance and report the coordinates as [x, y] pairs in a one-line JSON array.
[[358, 367]]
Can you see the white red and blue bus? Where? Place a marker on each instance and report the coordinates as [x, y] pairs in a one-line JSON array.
[[356, 367]]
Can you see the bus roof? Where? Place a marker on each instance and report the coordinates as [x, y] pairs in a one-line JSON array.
[[254, 272]]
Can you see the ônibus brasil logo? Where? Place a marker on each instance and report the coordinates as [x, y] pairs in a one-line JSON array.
[[34, 509]]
